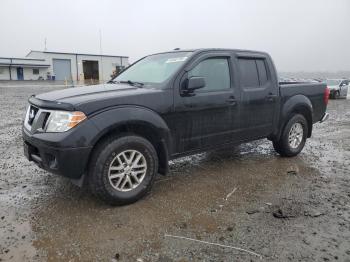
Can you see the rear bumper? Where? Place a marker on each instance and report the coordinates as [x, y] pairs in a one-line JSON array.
[[68, 162], [324, 118]]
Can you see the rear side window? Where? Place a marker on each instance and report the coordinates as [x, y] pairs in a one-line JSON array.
[[253, 72], [262, 71], [248, 72], [216, 73]]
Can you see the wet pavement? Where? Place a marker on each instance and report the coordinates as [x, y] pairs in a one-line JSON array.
[[284, 209]]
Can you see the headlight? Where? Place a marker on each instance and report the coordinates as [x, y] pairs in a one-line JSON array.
[[61, 121]]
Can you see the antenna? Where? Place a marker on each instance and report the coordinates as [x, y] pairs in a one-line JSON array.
[[45, 49]]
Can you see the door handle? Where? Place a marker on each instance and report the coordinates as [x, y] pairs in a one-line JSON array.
[[271, 97], [231, 100]]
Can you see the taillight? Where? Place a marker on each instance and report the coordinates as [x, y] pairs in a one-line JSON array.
[[326, 95]]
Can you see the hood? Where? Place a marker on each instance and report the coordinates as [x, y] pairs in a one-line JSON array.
[[89, 99], [84, 91]]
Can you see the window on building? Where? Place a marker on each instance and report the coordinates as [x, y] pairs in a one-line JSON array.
[[35, 71], [215, 72]]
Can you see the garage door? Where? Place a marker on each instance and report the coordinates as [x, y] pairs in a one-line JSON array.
[[62, 69]]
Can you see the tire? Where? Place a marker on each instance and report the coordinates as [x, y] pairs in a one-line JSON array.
[[287, 146], [109, 171], [336, 95]]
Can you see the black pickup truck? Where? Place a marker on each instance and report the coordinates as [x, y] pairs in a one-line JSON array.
[[117, 136]]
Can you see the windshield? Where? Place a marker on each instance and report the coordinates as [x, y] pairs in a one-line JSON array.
[[154, 69], [333, 82]]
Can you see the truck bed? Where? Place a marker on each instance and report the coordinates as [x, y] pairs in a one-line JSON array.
[[313, 91]]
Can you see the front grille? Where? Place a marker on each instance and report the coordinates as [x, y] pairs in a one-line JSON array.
[[36, 119], [32, 114]]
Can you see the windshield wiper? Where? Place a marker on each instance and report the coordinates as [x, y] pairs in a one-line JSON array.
[[129, 82], [133, 83]]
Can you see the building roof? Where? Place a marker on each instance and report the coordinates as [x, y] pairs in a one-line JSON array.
[[24, 65], [22, 58], [67, 53], [23, 62]]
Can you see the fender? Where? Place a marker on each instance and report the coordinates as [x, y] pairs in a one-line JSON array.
[[106, 121], [295, 103]]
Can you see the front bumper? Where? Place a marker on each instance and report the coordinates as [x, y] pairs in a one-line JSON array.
[[66, 161]]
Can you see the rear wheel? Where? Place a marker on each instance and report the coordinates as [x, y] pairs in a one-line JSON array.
[[122, 169], [293, 137]]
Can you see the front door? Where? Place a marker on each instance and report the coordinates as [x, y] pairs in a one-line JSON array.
[[259, 96], [204, 118], [20, 73]]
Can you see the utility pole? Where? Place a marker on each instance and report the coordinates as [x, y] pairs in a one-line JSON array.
[[101, 54]]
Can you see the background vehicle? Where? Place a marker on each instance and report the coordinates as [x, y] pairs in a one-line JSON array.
[[119, 135], [338, 87]]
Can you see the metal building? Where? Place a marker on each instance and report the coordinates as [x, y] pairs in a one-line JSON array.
[[13, 68], [61, 66]]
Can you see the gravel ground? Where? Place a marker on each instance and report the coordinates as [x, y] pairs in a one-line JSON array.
[[284, 209]]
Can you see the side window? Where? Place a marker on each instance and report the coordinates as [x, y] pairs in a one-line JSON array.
[[345, 82], [263, 77], [253, 72], [215, 72], [248, 72]]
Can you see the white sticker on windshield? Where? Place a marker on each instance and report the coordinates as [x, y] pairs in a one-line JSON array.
[[176, 59]]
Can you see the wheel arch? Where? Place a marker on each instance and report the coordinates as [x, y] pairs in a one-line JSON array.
[[306, 112], [298, 104], [138, 121]]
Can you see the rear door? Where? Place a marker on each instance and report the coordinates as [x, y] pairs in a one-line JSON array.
[[204, 119], [258, 96]]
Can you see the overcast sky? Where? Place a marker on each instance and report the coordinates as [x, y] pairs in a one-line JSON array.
[[300, 35]]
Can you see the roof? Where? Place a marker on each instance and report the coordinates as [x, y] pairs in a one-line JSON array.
[[23, 62], [22, 58], [67, 53], [24, 65], [198, 50]]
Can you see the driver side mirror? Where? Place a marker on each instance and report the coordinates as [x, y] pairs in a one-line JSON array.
[[193, 83]]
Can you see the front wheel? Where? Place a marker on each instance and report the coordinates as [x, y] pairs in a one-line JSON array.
[[293, 137], [123, 169]]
